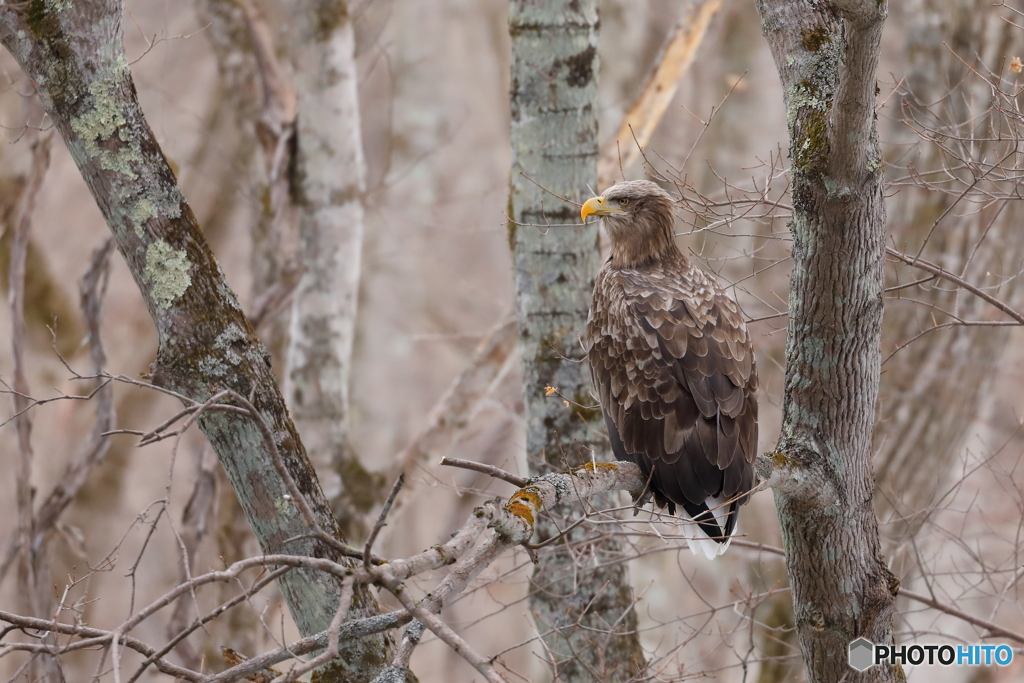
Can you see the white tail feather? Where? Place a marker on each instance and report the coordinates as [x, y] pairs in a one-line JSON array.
[[702, 544]]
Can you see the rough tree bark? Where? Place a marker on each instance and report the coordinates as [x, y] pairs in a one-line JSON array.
[[74, 54], [826, 55], [328, 187], [932, 391], [585, 615], [232, 31]]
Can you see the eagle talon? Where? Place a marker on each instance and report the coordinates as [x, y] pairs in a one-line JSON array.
[[642, 500], [644, 497]]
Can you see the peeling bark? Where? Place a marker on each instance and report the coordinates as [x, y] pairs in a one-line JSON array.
[[74, 54], [585, 615], [826, 55]]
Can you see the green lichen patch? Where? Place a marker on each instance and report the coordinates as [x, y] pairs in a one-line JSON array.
[[809, 109], [104, 117], [105, 121], [143, 211], [41, 19], [230, 341], [284, 506], [812, 152], [167, 272], [227, 295], [213, 367]]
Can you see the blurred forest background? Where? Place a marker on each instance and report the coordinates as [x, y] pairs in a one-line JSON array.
[[436, 279]]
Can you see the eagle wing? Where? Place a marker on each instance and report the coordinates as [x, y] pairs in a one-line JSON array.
[[673, 365]]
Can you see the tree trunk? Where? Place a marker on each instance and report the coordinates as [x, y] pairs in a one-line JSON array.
[[74, 53], [230, 34], [826, 55], [584, 614], [327, 189]]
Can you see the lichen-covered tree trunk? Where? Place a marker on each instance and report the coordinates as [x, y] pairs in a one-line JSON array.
[[584, 613], [932, 390], [826, 55], [328, 187], [74, 53], [229, 33]]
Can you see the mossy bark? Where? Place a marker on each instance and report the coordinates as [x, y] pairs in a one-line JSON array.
[[584, 614], [826, 55], [74, 54]]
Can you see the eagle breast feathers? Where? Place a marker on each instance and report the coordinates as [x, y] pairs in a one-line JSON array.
[[672, 362]]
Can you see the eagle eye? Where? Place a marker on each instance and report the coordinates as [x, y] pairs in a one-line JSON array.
[[623, 201]]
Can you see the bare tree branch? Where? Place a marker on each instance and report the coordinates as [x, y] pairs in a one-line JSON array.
[[452, 411], [958, 281], [673, 61], [92, 638], [205, 341], [33, 569], [485, 469]]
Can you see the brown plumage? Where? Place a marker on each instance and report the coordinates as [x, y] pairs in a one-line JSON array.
[[673, 365]]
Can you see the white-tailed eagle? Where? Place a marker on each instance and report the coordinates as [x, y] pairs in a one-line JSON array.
[[673, 366]]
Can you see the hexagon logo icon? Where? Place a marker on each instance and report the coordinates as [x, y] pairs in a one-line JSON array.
[[862, 653]]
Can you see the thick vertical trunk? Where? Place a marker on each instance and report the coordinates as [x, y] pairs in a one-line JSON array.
[[74, 53], [328, 189], [823, 482], [584, 614]]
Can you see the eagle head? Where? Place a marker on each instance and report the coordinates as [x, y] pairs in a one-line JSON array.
[[638, 217]]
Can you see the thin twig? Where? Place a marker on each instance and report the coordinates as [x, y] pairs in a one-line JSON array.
[[993, 629], [440, 629], [33, 574], [367, 551], [333, 636], [490, 470], [96, 637], [960, 282], [198, 623], [458, 403]]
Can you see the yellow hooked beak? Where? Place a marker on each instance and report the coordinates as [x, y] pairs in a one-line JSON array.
[[595, 206]]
